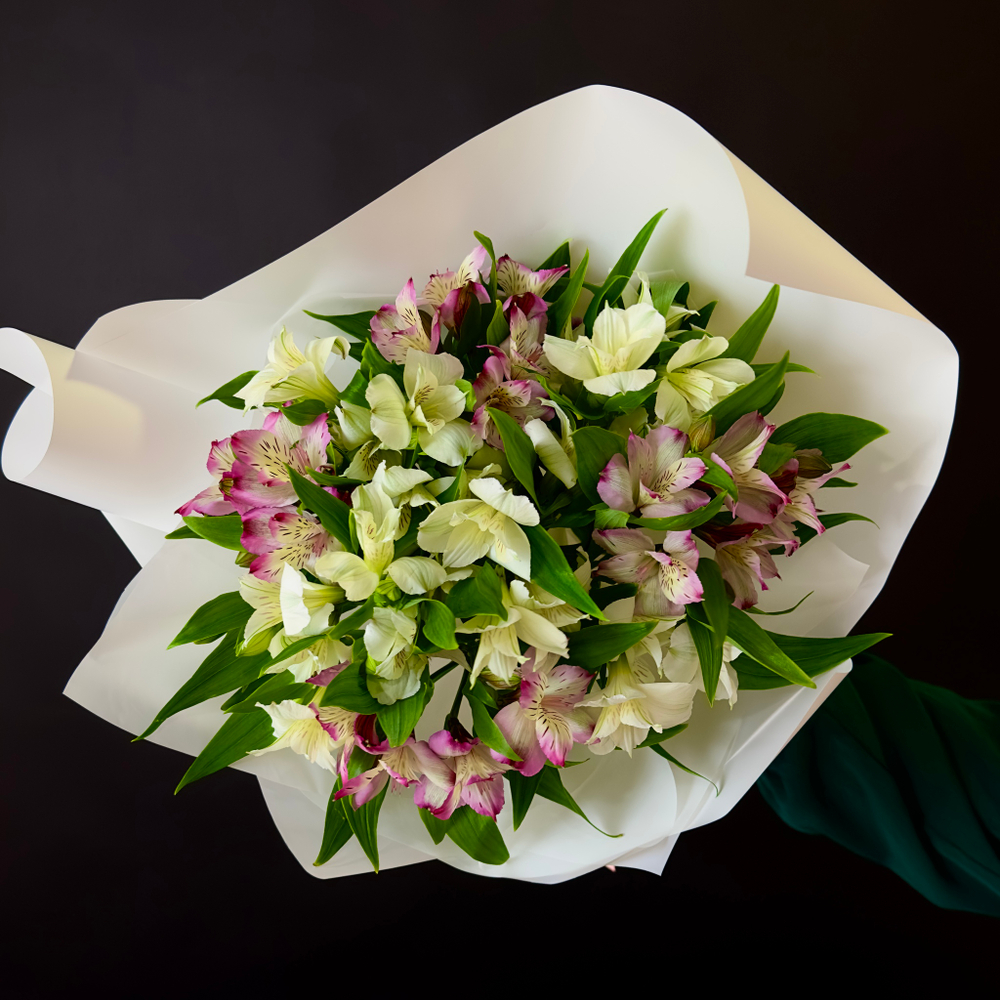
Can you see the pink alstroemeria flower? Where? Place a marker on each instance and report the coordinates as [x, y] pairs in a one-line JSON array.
[[259, 475], [405, 765], [746, 563], [451, 292], [760, 501], [213, 502], [667, 580], [475, 777], [545, 721], [523, 288], [395, 329], [524, 345], [800, 489], [279, 535], [521, 398], [655, 478]]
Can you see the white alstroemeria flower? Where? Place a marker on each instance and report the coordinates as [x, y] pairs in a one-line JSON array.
[[557, 454], [421, 574], [324, 653], [681, 663], [393, 667], [406, 488], [639, 289], [368, 458], [467, 530], [648, 651], [697, 378], [290, 374], [316, 733], [633, 702], [354, 426], [302, 607], [624, 340], [431, 407], [534, 617]]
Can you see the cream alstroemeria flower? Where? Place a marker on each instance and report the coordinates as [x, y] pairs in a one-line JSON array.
[[354, 426], [697, 378], [680, 663], [316, 733], [324, 653], [290, 374], [640, 289], [611, 362], [534, 617], [557, 454], [632, 702], [431, 407], [394, 667], [406, 488], [467, 530], [303, 608]]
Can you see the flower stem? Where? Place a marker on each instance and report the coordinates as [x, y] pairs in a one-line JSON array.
[[457, 703]]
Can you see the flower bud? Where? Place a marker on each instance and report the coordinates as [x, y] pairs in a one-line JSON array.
[[702, 432]]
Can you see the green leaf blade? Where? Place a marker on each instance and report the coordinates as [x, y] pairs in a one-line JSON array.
[[745, 343], [214, 618], [551, 571], [239, 735]]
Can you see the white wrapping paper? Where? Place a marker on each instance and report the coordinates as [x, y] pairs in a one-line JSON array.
[[113, 425]]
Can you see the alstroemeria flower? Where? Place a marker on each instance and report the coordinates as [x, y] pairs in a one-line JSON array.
[[316, 733], [760, 500], [368, 458], [521, 398], [546, 720], [558, 454], [667, 580], [394, 668], [259, 476], [696, 379], [451, 292], [681, 663], [534, 617], [467, 530], [303, 608], [476, 780], [354, 426], [292, 375], [800, 490], [397, 677], [213, 502], [405, 765], [431, 406], [396, 329], [407, 489], [324, 659], [523, 288], [277, 535], [747, 562], [624, 340], [638, 290], [632, 702], [655, 478], [525, 345]]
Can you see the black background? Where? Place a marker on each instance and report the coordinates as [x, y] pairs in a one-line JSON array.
[[163, 151]]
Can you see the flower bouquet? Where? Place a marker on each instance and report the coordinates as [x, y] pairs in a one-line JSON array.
[[508, 540]]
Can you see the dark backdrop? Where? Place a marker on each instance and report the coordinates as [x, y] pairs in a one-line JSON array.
[[153, 152]]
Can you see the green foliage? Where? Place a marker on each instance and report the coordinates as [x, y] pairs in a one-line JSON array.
[[745, 342], [593, 647], [477, 835], [357, 325], [479, 594], [682, 522], [363, 821], [828, 521], [550, 787], [595, 447], [226, 393], [759, 645], [225, 530], [349, 690], [551, 571], [399, 719], [336, 830], [813, 655], [709, 624], [305, 411], [438, 624], [518, 448], [344, 627], [216, 617], [560, 313], [488, 244], [837, 435], [657, 749], [757, 395], [239, 735], [487, 730], [333, 514]]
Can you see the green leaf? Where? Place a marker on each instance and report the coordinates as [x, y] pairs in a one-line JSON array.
[[625, 268], [276, 688], [349, 690], [595, 447], [745, 342], [608, 293], [717, 476], [713, 611], [498, 330], [626, 402], [704, 314], [682, 522], [399, 719], [745, 633], [336, 830], [835, 483], [437, 828], [813, 655], [372, 364], [665, 293], [605, 517], [550, 787], [522, 791], [805, 533], [439, 624], [593, 647], [488, 731], [551, 571], [346, 625], [488, 244], [654, 737], [518, 448], [837, 435], [182, 532], [364, 823], [787, 611], [603, 596], [220, 672], [355, 390], [477, 835], [333, 514], [748, 398], [356, 325], [792, 367], [657, 749], [305, 411], [558, 258], [226, 393], [238, 736], [773, 457], [479, 594], [225, 530], [214, 618], [560, 313]]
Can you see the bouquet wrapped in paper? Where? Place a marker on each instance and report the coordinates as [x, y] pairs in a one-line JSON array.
[[485, 566]]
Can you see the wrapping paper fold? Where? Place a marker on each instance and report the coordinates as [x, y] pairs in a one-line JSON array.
[[113, 425]]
